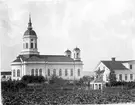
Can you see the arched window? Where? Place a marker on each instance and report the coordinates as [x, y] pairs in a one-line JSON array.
[[26, 45], [77, 55], [32, 72], [36, 72], [13, 73], [66, 72], [71, 72], [31, 45], [54, 71], [35, 45], [60, 72], [40, 72], [48, 72], [18, 73], [78, 72]]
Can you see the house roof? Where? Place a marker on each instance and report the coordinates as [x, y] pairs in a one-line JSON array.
[[47, 58], [5, 72], [115, 65]]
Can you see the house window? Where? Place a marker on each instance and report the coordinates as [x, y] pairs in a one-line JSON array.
[[54, 71], [26, 45], [18, 73], [71, 72], [13, 73], [78, 72], [32, 72], [60, 72], [120, 77], [31, 39], [125, 76], [48, 72], [66, 72], [31, 45], [40, 72], [99, 86], [130, 66], [131, 76], [36, 72]]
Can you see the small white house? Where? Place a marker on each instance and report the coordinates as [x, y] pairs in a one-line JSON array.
[[5, 75], [124, 70]]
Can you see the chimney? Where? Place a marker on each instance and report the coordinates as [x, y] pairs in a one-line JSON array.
[[113, 59]]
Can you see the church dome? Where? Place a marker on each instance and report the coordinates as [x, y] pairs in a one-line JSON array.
[[30, 32], [76, 49], [68, 51]]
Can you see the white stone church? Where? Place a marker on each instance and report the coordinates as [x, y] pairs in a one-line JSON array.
[[30, 62]]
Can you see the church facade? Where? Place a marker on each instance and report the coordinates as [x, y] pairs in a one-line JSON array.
[[30, 62]]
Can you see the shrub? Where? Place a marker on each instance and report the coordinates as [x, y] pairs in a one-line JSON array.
[[12, 85], [33, 79]]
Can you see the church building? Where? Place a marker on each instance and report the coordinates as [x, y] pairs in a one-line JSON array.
[[30, 62]]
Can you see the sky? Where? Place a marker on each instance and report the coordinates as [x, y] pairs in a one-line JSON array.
[[102, 29]]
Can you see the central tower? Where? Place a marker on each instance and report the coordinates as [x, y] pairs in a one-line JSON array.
[[30, 41]]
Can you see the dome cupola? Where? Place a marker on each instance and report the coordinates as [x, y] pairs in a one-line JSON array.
[[68, 53], [77, 53], [29, 30]]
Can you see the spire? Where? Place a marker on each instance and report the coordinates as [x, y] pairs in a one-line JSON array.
[[30, 24]]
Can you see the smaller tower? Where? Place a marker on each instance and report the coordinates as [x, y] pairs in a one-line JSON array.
[[30, 41], [76, 52], [68, 53]]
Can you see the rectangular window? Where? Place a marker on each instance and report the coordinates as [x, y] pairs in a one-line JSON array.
[[131, 76], [54, 72], [78, 72], [130, 66], [71, 72], [120, 77], [13, 73], [18, 73], [40, 72], [66, 73], [60, 72], [125, 76], [48, 72], [32, 72]]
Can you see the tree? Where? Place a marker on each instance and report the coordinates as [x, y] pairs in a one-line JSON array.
[[112, 78]]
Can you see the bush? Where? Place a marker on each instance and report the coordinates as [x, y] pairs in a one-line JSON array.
[[128, 85], [12, 85], [33, 79]]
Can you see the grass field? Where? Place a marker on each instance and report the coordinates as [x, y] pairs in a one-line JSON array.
[[45, 95]]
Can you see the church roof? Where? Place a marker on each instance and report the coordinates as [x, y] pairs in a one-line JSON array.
[[47, 58]]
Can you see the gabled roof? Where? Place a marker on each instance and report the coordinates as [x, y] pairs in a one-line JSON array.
[[114, 65], [46, 58]]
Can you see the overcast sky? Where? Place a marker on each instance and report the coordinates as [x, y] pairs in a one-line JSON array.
[[100, 28]]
